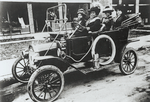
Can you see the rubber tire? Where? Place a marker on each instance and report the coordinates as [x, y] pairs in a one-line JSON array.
[[39, 71], [121, 61], [14, 71], [113, 48]]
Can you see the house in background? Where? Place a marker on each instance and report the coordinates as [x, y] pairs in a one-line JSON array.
[[136, 6], [33, 12], [132, 6]]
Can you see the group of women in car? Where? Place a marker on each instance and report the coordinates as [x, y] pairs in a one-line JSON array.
[[95, 23]]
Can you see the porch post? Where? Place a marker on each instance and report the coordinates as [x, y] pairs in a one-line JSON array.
[[30, 15], [120, 2], [60, 12], [137, 6]]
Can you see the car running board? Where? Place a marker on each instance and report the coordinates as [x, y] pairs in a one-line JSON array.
[[81, 67]]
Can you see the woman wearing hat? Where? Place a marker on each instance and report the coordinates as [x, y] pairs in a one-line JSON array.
[[120, 16], [94, 22], [108, 20], [81, 19]]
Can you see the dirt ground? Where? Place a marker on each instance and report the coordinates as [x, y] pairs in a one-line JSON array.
[[107, 85]]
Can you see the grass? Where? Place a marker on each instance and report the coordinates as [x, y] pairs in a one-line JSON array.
[[14, 50], [16, 39]]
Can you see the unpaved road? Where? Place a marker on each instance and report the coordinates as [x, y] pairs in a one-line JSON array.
[[107, 85]]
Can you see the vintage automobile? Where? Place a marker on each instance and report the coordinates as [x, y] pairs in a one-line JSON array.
[[103, 49], [43, 66]]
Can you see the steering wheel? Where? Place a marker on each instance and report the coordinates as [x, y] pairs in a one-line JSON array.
[[77, 29], [79, 26]]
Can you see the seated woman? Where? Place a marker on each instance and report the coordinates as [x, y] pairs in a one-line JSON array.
[[94, 22], [81, 19], [120, 17], [108, 20]]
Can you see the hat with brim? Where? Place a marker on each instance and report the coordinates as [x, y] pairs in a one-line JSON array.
[[119, 7], [108, 9], [81, 12], [95, 9]]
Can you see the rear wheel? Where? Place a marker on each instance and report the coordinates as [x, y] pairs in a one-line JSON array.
[[128, 61], [21, 70], [46, 84]]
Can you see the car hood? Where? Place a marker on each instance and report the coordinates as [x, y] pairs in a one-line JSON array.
[[43, 47]]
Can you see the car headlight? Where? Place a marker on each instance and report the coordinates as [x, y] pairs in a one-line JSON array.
[[25, 54], [61, 53], [35, 55], [32, 56]]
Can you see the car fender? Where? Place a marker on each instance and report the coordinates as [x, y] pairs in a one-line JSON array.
[[122, 49], [52, 60]]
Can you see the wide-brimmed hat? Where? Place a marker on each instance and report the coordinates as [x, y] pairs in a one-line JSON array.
[[120, 7], [107, 9], [96, 9], [81, 11]]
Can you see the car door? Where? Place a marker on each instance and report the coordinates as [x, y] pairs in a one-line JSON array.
[[79, 46]]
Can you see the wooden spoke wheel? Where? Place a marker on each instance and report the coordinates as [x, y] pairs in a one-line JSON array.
[[21, 70], [128, 61], [46, 84]]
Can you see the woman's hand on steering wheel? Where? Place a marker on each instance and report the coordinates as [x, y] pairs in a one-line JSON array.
[[79, 26], [77, 29]]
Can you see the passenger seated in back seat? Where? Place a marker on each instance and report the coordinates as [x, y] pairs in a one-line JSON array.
[[94, 22], [120, 16], [108, 20]]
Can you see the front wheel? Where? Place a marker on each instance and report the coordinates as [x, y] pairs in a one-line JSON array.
[[46, 84], [21, 70], [128, 63]]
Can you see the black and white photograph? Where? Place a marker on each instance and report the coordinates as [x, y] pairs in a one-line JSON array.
[[74, 50]]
